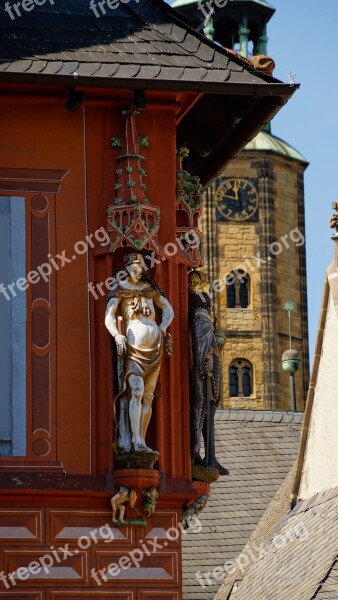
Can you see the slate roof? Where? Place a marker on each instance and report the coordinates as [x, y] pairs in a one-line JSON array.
[[142, 43], [259, 449], [274, 515], [304, 567], [182, 2], [328, 589]]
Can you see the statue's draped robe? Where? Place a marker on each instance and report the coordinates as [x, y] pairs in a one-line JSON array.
[[137, 361], [203, 343], [140, 361]]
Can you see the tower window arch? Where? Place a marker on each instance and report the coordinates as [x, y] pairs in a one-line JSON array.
[[238, 289], [240, 378]]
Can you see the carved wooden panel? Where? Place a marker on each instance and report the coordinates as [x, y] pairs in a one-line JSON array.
[[22, 595], [40, 187], [159, 595], [20, 526], [161, 523], [41, 307], [72, 570], [160, 566], [91, 595], [31, 180], [70, 525]]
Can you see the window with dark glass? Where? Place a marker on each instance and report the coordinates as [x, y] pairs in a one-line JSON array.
[[238, 289], [233, 381], [246, 380], [12, 327], [231, 294], [240, 378]]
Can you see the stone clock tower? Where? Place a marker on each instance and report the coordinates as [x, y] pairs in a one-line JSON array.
[[255, 240]]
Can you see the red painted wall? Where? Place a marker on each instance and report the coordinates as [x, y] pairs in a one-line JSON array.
[[64, 165]]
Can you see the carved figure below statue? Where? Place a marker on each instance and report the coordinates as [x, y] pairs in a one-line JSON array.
[[150, 500], [118, 501], [125, 496], [140, 342], [191, 512], [206, 378]]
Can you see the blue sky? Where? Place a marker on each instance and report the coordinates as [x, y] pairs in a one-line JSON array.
[[302, 41]]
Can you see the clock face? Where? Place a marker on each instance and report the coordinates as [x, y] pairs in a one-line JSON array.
[[237, 200]]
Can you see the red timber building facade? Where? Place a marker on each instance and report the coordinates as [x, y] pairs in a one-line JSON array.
[[79, 91]]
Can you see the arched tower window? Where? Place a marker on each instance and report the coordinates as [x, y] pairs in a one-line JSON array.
[[240, 378], [233, 381], [238, 289], [231, 293], [246, 381]]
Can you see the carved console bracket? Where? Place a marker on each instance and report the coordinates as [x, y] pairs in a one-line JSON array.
[[137, 490]]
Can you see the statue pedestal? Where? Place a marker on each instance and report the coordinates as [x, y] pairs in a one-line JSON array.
[[136, 460], [202, 488], [137, 479], [203, 473]]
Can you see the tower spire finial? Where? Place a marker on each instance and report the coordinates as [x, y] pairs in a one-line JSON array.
[[334, 220], [334, 225]]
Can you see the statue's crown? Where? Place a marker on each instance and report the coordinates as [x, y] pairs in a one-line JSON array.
[[198, 282]]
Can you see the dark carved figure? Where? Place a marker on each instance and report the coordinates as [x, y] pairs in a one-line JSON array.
[[190, 513], [149, 502], [206, 376]]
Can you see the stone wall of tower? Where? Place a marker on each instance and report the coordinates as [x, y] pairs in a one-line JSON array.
[[291, 274], [277, 270]]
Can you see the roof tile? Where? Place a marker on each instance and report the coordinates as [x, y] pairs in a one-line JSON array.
[[142, 32], [259, 455]]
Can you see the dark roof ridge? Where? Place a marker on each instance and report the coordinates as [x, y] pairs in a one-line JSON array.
[[269, 416], [316, 500], [178, 57]]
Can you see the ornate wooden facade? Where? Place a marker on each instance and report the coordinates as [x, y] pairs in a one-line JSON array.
[[57, 155]]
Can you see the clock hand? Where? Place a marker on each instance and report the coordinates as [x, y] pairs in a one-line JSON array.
[[230, 197]]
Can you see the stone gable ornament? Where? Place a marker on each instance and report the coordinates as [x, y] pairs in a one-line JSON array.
[[140, 343]]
